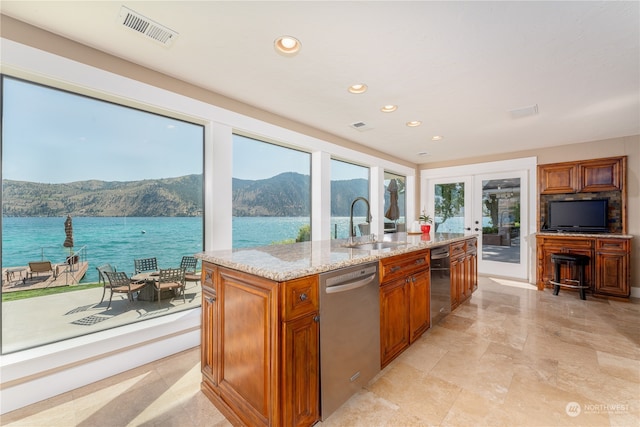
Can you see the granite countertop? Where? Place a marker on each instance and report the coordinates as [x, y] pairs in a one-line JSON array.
[[590, 235], [290, 261]]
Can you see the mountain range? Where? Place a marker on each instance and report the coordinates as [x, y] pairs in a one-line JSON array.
[[286, 195]]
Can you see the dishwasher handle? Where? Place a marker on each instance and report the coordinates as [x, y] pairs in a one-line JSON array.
[[348, 286]]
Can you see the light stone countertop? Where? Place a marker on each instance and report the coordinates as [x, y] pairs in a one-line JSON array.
[[590, 235], [290, 261]]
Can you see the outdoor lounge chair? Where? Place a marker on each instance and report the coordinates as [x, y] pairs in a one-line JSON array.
[[190, 264], [145, 264], [120, 283], [171, 278], [42, 267]]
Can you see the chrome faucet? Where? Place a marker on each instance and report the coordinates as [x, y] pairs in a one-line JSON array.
[[352, 232]]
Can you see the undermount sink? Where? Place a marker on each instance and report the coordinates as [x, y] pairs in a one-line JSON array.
[[368, 246]]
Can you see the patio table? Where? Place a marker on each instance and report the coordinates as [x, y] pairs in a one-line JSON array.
[[11, 271], [149, 292]]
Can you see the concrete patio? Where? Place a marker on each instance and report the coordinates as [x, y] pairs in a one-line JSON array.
[[32, 322]]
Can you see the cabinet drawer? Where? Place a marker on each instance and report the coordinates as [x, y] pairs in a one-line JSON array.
[[208, 274], [567, 244], [299, 297], [403, 265], [457, 249], [612, 245], [472, 246]]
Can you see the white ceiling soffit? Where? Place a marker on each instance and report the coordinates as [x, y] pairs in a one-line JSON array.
[[143, 25]]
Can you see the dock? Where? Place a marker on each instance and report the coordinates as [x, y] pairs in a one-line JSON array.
[[18, 278]]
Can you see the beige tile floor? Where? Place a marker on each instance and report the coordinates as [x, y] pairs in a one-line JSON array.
[[510, 356]]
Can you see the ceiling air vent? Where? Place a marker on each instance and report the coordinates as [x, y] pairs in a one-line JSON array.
[[518, 113], [147, 27], [361, 126]]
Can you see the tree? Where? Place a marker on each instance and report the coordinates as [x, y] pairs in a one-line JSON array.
[[449, 202]]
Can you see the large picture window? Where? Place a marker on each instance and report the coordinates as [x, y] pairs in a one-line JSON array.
[[271, 193], [348, 182], [86, 183]]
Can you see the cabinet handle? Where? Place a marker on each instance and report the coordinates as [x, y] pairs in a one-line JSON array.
[[420, 261], [395, 268], [210, 300], [303, 297], [316, 318]]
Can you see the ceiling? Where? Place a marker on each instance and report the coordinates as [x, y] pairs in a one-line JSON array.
[[458, 67]]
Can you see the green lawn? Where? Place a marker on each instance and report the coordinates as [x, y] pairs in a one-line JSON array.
[[14, 296]]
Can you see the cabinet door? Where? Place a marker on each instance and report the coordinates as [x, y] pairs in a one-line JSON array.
[[600, 175], [209, 337], [208, 331], [301, 386], [249, 331], [419, 298], [394, 320], [557, 178], [471, 271], [457, 280], [612, 274]]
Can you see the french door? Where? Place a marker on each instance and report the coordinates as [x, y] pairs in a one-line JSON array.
[[492, 204]]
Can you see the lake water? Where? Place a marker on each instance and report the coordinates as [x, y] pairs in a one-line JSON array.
[[118, 241]]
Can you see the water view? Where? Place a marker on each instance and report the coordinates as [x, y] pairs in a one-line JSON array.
[[120, 240]]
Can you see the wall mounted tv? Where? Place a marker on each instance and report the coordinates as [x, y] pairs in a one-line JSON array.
[[587, 216]]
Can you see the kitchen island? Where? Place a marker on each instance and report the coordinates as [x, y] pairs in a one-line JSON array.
[[260, 325]]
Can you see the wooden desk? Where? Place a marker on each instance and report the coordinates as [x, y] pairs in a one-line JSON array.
[[608, 273]]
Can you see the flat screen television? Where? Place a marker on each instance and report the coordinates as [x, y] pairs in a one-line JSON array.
[[587, 216]]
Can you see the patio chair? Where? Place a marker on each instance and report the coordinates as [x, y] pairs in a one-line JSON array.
[[171, 278], [145, 264], [190, 265], [120, 283], [102, 277]]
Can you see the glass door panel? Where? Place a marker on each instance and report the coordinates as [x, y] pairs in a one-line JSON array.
[[501, 204], [447, 203]]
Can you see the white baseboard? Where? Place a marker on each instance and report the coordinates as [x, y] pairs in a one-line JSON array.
[[635, 292]]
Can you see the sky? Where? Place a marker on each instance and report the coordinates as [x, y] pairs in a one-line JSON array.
[[52, 136]]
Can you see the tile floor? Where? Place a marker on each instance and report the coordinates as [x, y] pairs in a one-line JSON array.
[[510, 356]]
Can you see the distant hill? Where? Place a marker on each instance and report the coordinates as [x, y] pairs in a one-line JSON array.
[[286, 194]]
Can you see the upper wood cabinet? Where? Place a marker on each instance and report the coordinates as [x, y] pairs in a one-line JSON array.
[[557, 178], [600, 175], [586, 176]]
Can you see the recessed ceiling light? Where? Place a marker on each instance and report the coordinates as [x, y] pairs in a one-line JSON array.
[[414, 123], [358, 88], [287, 45], [436, 138], [389, 108]]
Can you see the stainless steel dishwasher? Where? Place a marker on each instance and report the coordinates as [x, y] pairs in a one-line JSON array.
[[349, 333], [440, 284]]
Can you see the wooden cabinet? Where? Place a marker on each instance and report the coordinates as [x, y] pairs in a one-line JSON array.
[[464, 270], [557, 178], [588, 176], [612, 267], [260, 347], [404, 302], [607, 273], [600, 175]]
